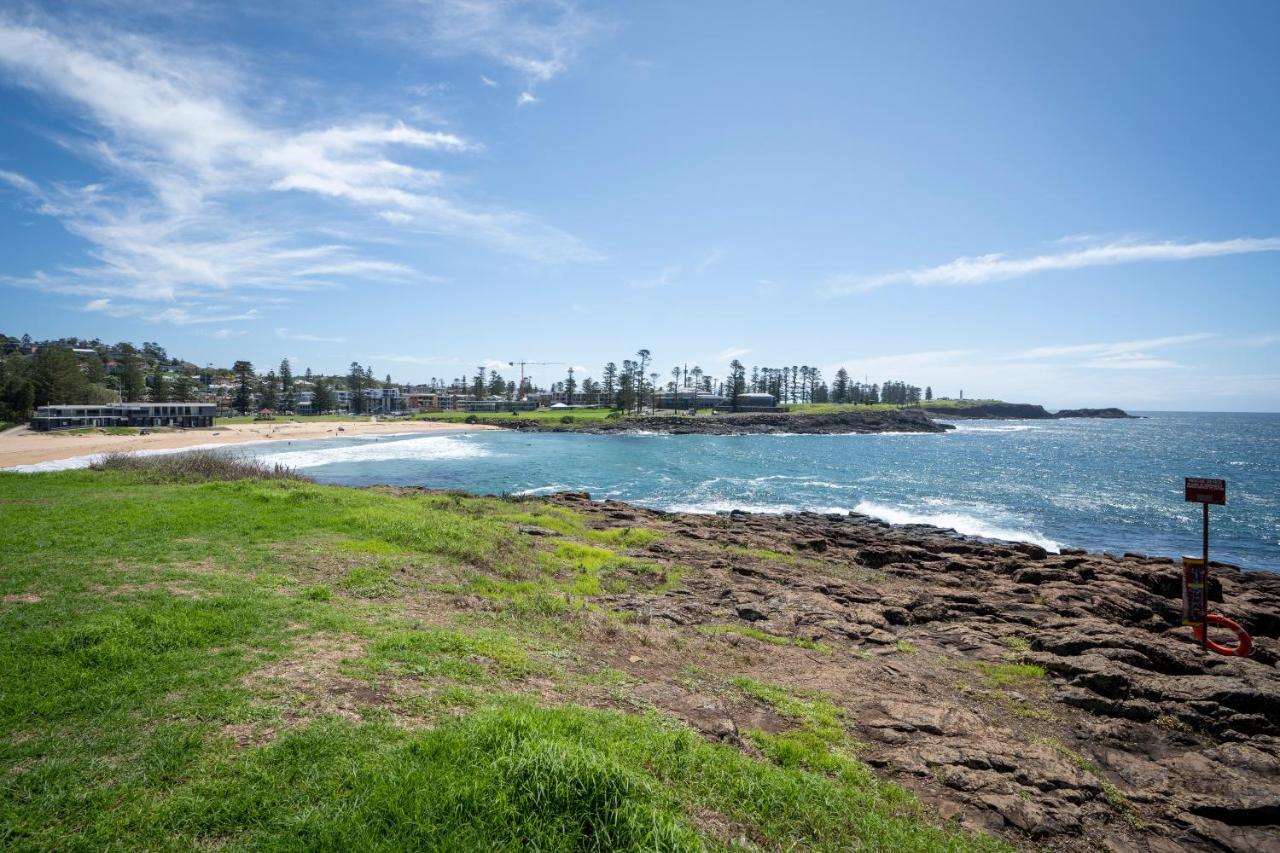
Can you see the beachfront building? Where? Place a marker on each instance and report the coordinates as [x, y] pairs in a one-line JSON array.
[[754, 402], [689, 398], [187, 414], [382, 401], [498, 404]]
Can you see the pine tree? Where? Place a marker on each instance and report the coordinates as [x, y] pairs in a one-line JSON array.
[[286, 386], [243, 401], [159, 391], [132, 382], [737, 384], [269, 398], [57, 377], [182, 387]]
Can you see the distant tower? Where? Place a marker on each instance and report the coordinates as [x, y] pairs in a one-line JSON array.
[[961, 393]]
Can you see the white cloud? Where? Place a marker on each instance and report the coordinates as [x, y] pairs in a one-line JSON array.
[[730, 353], [999, 267], [668, 275], [536, 39], [526, 98], [1110, 349], [1119, 355], [285, 334], [488, 82], [182, 154]]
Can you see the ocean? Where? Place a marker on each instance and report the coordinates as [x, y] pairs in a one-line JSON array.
[[1104, 485]]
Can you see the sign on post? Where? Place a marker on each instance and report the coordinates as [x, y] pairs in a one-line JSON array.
[[1201, 490], [1195, 592], [1195, 572]]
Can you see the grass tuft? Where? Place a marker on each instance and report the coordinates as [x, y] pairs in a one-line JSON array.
[[194, 466]]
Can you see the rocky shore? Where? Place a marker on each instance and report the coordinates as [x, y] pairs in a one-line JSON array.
[[1052, 699], [904, 420], [1021, 411]]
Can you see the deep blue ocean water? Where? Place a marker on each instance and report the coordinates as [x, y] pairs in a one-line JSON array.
[[1099, 484]]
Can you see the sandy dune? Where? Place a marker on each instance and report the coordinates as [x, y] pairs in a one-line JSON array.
[[24, 447]]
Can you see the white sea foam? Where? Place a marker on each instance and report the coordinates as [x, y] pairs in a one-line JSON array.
[[1001, 428], [961, 522], [432, 448], [710, 507]]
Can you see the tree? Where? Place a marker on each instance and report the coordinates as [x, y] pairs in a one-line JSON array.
[[355, 388], [609, 381], [132, 382], [287, 403], [57, 377], [243, 401], [182, 387], [840, 387], [269, 399], [159, 390], [570, 385], [675, 388], [478, 384], [641, 366], [928, 392], [323, 399], [737, 384]]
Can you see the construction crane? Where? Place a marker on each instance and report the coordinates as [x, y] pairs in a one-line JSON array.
[[520, 387]]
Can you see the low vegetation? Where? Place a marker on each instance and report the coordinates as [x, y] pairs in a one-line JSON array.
[[194, 465], [201, 654]]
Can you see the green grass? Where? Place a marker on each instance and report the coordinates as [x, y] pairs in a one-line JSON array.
[[1004, 674], [832, 408], [757, 634], [279, 665], [1114, 796]]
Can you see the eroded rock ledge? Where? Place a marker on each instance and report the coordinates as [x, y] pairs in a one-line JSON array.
[[1133, 738]]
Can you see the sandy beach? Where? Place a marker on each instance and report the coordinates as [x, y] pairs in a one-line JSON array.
[[24, 447]]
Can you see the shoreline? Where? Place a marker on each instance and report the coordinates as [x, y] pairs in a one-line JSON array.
[[23, 447]]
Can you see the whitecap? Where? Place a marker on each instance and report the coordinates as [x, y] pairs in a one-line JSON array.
[[433, 449], [960, 522]]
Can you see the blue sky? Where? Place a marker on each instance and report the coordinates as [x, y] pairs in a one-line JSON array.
[[1071, 204]]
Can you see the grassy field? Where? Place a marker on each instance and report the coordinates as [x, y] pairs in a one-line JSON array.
[[273, 664], [829, 408]]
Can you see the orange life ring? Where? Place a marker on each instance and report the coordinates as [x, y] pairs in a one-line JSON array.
[[1244, 643]]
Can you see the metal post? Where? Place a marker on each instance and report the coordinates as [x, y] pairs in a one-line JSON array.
[[1204, 634]]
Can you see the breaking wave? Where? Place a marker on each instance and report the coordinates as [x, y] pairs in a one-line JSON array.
[[432, 448], [960, 522]]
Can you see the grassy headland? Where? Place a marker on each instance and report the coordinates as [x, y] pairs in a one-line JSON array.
[[277, 664]]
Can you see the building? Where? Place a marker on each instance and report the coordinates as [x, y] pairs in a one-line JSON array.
[[187, 414], [689, 398], [498, 404], [754, 402]]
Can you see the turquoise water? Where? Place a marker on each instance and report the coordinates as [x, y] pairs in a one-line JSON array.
[[1096, 484]]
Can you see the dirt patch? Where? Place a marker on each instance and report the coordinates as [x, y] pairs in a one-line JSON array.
[[307, 683], [22, 598]]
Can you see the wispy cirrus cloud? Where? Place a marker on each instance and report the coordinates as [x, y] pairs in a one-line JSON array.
[[984, 269], [537, 40], [672, 273], [1118, 355], [181, 151], [285, 334]]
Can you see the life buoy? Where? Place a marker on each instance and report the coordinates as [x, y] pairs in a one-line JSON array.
[[1244, 643]]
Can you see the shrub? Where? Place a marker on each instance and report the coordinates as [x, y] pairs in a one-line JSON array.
[[471, 419], [195, 465], [567, 419], [613, 416]]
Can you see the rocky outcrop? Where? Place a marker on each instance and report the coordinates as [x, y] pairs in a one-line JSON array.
[[1018, 411], [1053, 699], [1093, 413]]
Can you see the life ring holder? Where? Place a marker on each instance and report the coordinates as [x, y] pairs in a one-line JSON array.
[[1244, 643]]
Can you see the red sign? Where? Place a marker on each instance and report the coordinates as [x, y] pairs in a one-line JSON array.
[[1204, 491]]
